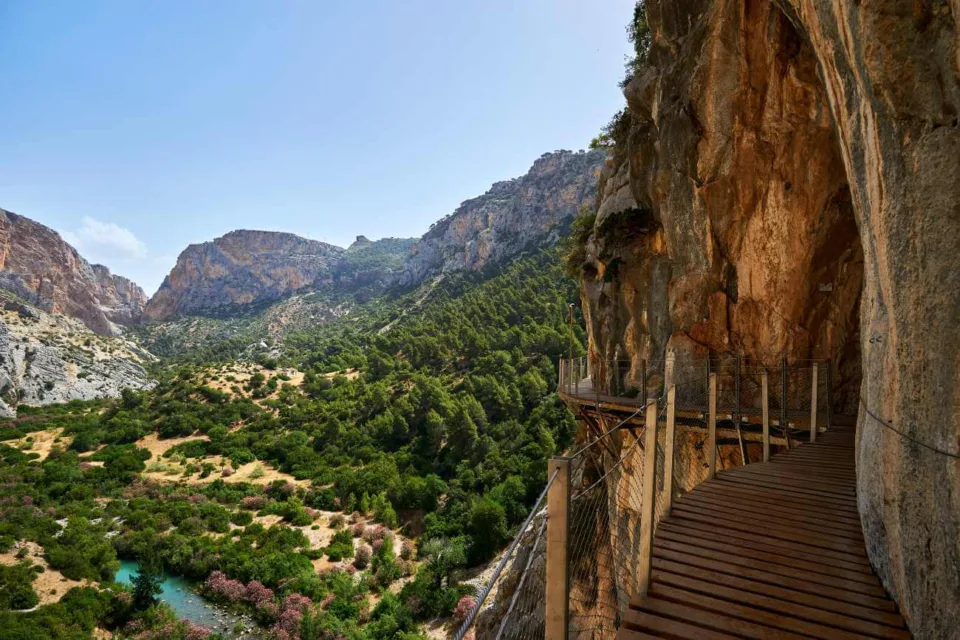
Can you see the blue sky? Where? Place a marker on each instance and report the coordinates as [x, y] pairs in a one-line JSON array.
[[136, 127]]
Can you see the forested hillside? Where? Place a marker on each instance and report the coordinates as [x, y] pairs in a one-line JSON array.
[[337, 488]]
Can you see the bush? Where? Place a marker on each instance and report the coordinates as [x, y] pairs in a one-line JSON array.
[[340, 547], [361, 559]]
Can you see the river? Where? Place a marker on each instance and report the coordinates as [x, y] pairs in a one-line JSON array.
[[179, 594]]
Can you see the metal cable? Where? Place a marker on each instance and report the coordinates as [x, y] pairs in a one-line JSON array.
[[506, 556], [523, 579], [906, 435]]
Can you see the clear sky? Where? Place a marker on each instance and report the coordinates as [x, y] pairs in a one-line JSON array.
[[136, 127]]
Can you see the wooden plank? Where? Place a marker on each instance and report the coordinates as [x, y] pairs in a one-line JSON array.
[[812, 537], [765, 496], [747, 511], [756, 615], [668, 628], [740, 560], [778, 592], [722, 530], [798, 585], [772, 557], [706, 619], [843, 490], [826, 498], [768, 603]]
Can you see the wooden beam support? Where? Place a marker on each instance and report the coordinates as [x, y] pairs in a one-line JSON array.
[[765, 408], [556, 596], [647, 512], [712, 428], [668, 450]]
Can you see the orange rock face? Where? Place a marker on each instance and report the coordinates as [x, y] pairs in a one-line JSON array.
[[240, 269], [790, 184], [37, 266]]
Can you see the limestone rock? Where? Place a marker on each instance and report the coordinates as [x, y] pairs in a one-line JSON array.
[[790, 185], [513, 215], [240, 270], [51, 359], [37, 266]]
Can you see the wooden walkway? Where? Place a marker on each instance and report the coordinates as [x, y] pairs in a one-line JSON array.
[[768, 550]]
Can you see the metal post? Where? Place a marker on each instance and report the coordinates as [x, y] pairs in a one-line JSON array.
[[813, 402], [558, 514], [712, 428], [649, 498], [576, 383], [668, 450], [765, 407]]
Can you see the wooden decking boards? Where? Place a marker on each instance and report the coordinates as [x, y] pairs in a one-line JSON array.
[[768, 550]]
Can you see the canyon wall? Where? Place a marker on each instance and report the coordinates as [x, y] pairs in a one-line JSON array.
[[37, 266], [242, 269], [532, 210], [786, 180]]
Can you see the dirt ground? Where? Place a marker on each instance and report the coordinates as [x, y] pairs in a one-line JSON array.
[[43, 442], [50, 585]]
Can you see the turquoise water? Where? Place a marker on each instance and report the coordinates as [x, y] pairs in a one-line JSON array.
[[179, 594]]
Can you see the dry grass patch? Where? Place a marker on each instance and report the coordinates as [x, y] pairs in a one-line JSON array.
[[50, 584], [41, 442]]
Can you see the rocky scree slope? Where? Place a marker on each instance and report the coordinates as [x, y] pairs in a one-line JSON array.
[[39, 268], [786, 180], [52, 359], [513, 215]]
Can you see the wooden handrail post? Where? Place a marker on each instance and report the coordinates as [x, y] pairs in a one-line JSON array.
[[784, 424], [712, 428], [813, 402], [668, 450], [557, 579], [649, 497], [765, 408], [829, 394]]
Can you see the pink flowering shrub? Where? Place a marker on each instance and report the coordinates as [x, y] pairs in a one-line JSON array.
[[296, 602], [227, 472], [223, 588], [406, 550], [253, 503], [362, 556], [464, 606], [195, 632], [257, 593], [327, 600], [376, 545], [289, 624], [357, 529], [26, 501], [375, 532]]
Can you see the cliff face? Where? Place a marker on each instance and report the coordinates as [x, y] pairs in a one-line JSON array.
[[786, 180], [511, 216], [40, 268], [241, 269]]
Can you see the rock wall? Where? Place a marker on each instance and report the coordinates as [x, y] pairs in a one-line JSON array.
[[779, 163], [37, 266], [52, 359], [513, 215], [239, 270]]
